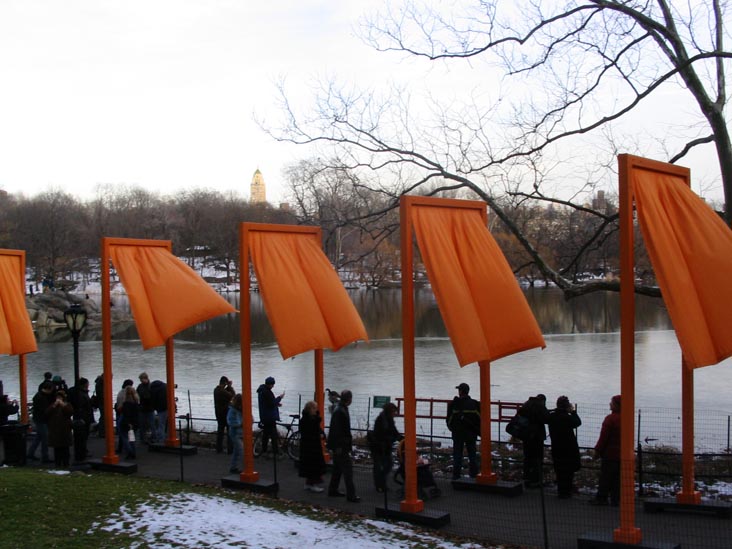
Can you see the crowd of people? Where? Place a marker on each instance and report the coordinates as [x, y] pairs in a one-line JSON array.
[[463, 420], [63, 417]]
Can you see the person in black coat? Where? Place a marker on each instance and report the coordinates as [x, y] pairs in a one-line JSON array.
[[80, 400], [463, 420], [223, 394], [312, 462], [7, 408], [98, 403], [129, 422], [565, 450], [269, 413], [340, 444], [41, 401], [381, 444], [535, 411]]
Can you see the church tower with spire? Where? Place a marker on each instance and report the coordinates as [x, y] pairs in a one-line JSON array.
[[257, 192]]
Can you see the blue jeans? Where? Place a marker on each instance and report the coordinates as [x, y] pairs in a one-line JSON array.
[[147, 425], [235, 435], [159, 433], [42, 439], [457, 457]]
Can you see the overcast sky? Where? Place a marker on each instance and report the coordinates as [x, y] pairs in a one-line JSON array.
[[162, 93], [157, 93]]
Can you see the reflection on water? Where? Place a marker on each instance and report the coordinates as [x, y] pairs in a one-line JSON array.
[[381, 314]]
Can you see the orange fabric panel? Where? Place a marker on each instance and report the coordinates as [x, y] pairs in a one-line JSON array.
[[166, 295], [16, 331], [691, 251], [304, 298], [485, 312]]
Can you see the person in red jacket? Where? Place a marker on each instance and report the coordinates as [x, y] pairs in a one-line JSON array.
[[608, 450]]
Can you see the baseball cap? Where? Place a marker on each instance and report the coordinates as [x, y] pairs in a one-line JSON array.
[[463, 388]]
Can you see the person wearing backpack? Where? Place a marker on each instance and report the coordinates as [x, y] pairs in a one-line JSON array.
[[463, 420], [535, 411]]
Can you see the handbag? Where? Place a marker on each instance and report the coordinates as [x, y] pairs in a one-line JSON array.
[[518, 427]]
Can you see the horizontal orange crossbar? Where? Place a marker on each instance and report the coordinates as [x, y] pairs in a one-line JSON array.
[[638, 162], [433, 202], [115, 241], [273, 228]]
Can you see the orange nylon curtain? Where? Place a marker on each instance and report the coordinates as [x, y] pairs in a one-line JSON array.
[[16, 332], [484, 310], [304, 298], [691, 251], [166, 296]]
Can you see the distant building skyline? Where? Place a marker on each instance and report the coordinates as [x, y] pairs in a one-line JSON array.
[[257, 190]]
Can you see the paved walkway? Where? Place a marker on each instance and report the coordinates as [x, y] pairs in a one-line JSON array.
[[511, 520]]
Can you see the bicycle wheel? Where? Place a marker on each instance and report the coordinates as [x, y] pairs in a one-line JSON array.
[[258, 443], [293, 445]]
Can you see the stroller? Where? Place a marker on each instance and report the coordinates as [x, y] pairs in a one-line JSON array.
[[426, 485]]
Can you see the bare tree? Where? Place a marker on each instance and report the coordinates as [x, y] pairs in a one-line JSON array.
[[594, 62], [357, 221], [568, 72], [50, 227]]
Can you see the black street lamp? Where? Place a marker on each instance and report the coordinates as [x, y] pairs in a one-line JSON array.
[[75, 317]]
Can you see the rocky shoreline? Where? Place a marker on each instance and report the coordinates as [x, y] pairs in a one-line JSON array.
[[46, 312]]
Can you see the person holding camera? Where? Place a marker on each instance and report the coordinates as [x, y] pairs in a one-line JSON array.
[[59, 428], [269, 413]]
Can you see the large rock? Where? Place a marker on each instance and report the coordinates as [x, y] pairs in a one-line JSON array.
[[56, 300]]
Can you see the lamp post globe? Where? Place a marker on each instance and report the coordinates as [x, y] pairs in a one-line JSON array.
[[75, 317]]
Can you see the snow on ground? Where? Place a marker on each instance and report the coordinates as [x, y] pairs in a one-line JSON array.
[[193, 520]]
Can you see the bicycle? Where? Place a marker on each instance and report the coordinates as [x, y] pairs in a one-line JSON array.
[[289, 442]]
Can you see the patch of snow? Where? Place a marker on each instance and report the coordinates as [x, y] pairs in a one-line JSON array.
[[194, 520]]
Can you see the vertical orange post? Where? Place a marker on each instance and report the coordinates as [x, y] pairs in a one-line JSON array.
[[110, 457], [320, 394], [319, 382], [486, 475], [22, 365], [23, 378], [248, 473], [410, 503], [687, 495], [172, 438], [627, 531]]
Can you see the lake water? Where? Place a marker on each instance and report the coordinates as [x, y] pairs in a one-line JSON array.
[[581, 360]]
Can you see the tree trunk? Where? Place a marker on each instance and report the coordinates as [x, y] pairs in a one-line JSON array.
[[724, 152]]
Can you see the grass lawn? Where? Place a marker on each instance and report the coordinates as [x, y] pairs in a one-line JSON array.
[[42, 509]]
